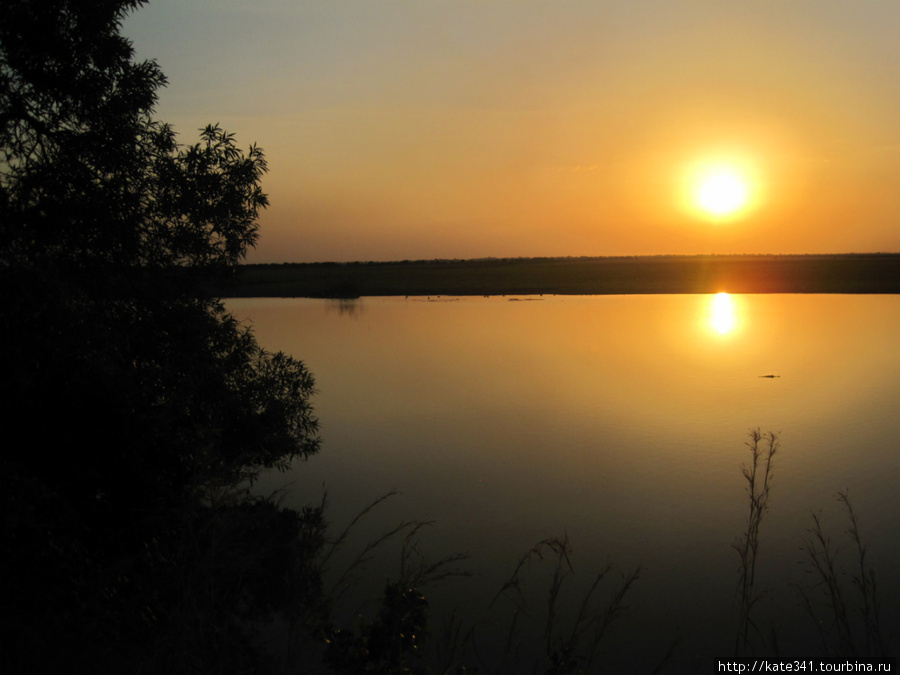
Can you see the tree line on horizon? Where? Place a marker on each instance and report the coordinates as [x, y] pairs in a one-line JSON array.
[[582, 258]]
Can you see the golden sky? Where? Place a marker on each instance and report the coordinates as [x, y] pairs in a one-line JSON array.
[[418, 129]]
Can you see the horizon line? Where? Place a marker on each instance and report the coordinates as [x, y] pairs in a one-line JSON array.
[[410, 261]]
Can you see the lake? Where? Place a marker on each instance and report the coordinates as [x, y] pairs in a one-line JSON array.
[[619, 422]]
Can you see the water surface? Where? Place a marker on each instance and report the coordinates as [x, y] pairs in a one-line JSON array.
[[619, 421]]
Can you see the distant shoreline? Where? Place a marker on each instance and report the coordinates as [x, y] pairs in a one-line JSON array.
[[823, 273]]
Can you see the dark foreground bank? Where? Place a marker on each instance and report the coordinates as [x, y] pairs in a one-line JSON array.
[[844, 273]]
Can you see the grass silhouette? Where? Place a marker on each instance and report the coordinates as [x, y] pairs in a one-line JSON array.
[[849, 625], [757, 475], [542, 621]]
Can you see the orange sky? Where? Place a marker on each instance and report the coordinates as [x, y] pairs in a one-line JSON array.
[[408, 129]]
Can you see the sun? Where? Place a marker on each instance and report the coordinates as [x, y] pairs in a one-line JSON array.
[[722, 194], [721, 187]]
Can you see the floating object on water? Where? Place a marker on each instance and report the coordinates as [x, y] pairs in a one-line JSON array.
[[770, 376]]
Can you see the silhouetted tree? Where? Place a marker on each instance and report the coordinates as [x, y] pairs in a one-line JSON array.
[[136, 409]]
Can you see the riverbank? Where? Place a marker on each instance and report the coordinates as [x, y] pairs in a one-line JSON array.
[[843, 273]]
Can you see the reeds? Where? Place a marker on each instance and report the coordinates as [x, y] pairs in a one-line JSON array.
[[762, 449], [556, 629], [571, 648], [389, 638], [851, 629]]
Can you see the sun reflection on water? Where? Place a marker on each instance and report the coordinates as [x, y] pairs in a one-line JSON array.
[[722, 314]]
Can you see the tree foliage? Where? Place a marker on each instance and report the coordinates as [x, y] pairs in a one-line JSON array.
[[137, 409]]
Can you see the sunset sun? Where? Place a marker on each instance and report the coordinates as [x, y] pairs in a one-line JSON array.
[[721, 189], [722, 194]]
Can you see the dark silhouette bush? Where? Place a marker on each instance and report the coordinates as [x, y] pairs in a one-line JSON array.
[[136, 410]]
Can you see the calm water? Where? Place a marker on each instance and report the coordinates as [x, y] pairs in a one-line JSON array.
[[617, 420]]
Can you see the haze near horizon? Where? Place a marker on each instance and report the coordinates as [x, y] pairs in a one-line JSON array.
[[419, 129]]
